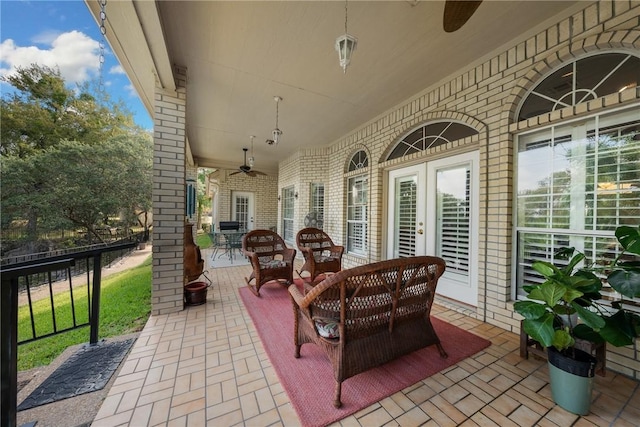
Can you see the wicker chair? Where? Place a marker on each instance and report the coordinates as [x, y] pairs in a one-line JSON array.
[[320, 254], [270, 258], [366, 316]]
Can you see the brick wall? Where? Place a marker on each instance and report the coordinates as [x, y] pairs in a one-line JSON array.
[[168, 200], [263, 188], [485, 97]]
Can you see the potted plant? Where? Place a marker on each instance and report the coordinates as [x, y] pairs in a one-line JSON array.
[[569, 292]]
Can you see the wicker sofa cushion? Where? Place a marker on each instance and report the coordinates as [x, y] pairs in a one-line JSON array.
[[319, 257], [274, 263], [327, 328]]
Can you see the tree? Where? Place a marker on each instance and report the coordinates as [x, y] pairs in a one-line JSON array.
[[202, 198], [69, 157], [42, 112], [87, 184]]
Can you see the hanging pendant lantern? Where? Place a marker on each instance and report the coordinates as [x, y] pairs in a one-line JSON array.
[[345, 44]]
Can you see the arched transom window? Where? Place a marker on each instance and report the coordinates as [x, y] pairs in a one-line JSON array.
[[358, 205], [358, 161], [580, 81], [430, 136]]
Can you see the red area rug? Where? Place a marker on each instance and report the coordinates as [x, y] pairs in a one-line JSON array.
[[309, 381]]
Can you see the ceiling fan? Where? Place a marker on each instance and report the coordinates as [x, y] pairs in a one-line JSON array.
[[245, 168], [457, 13]]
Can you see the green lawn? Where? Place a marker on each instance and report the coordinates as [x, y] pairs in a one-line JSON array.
[[203, 240], [125, 304]]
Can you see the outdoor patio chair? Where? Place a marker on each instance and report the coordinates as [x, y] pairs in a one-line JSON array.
[[320, 254], [269, 257], [233, 243]]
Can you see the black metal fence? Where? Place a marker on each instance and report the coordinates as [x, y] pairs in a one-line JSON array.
[[140, 236], [73, 270], [23, 276], [106, 233]]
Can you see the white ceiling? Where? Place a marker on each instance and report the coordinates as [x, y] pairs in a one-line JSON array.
[[239, 55]]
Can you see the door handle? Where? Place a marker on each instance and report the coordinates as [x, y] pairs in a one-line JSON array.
[[420, 231]]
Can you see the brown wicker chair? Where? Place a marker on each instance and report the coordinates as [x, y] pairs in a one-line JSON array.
[[320, 254], [366, 316], [270, 258]]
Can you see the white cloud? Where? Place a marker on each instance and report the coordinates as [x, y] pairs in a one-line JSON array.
[[75, 54], [116, 69], [131, 90], [46, 37]]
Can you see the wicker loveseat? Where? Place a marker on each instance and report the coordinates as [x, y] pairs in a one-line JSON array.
[[366, 316]]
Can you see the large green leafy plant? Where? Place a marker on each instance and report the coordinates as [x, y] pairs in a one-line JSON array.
[[574, 289]]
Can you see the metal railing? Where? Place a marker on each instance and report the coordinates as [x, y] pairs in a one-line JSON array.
[[141, 236], [17, 276]]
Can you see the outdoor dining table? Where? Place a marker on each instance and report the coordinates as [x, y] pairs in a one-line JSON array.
[[226, 242]]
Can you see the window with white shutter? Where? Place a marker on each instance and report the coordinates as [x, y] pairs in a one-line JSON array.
[[357, 205], [454, 221], [357, 215], [576, 183], [405, 216], [317, 203], [288, 211]]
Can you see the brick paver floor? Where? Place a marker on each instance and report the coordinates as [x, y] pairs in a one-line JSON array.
[[207, 366]]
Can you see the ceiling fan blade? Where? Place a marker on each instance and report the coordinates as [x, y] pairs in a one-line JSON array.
[[259, 173], [457, 13], [251, 174], [234, 173]]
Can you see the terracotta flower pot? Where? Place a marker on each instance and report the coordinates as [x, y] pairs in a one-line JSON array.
[[195, 293]]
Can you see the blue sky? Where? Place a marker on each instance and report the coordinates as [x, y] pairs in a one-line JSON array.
[[62, 34]]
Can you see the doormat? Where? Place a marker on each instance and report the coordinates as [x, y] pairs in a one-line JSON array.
[[87, 370]]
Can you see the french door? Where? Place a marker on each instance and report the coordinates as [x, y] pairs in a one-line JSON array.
[[433, 210], [406, 212], [242, 210]]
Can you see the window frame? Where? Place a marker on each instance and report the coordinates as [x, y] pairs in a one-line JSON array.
[[317, 200], [577, 89], [288, 207], [359, 205], [420, 138], [593, 234]]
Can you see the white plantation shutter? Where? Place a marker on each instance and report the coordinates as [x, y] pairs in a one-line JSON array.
[[576, 184], [453, 224], [317, 200], [357, 215], [288, 209], [406, 217]]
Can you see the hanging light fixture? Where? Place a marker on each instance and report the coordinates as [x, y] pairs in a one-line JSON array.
[[277, 133], [251, 159], [345, 44]]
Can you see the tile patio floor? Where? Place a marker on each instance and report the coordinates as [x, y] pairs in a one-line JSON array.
[[207, 366]]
